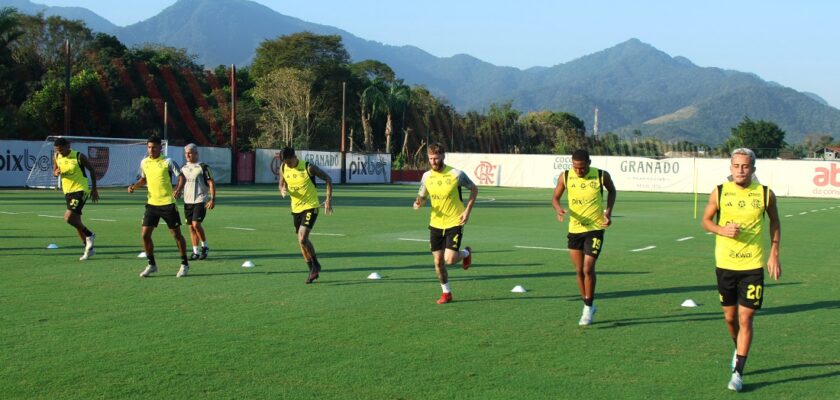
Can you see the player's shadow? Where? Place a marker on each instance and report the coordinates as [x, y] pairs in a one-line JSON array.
[[833, 367]]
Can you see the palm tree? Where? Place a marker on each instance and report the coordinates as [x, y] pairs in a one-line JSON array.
[[372, 102], [397, 97]]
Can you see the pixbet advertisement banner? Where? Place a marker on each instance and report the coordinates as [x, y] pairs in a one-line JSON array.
[[368, 168], [17, 158]]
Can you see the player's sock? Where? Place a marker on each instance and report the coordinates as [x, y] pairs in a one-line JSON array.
[[587, 301], [316, 263], [87, 231], [184, 260], [195, 250], [310, 264], [740, 361], [465, 253], [204, 243], [151, 259], [445, 287]]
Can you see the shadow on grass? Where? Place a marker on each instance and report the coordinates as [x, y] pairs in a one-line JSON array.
[[833, 367]]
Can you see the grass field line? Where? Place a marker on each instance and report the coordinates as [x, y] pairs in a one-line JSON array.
[[9, 213], [540, 248], [239, 229], [488, 200], [789, 215], [103, 219], [685, 238], [50, 216], [803, 213], [413, 240], [644, 248], [327, 234]]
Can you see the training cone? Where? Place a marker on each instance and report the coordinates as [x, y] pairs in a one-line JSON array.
[[518, 289], [375, 275], [142, 254], [689, 303], [52, 246], [248, 264]]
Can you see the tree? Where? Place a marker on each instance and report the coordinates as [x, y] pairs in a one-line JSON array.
[[397, 97], [303, 51], [763, 137], [372, 102], [289, 107]]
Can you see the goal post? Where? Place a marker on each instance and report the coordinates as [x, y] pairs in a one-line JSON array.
[[116, 161]]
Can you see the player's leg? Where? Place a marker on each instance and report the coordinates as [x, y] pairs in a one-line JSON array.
[[453, 254], [200, 238], [437, 244], [589, 279], [75, 220], [576, 256], [148, 247]]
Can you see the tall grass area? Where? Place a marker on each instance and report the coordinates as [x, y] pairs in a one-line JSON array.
[[95, 329]]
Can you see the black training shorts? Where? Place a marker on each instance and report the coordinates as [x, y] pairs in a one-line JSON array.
[[305, 218], [169, 213], [76, 201], [194, 212], [741, 287], [449, 238], [590, 242]]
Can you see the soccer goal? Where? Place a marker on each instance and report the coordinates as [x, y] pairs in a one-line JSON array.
[[116, 161]]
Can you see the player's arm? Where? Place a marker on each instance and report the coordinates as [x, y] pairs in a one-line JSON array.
[[140, 182], [465, 216], [611, 195], [176, 170], [211, 186], [422, 194], [315, 171], [281, 182], [774, 266], [94, 193], [555, 199], [56, 169], [731, 230]]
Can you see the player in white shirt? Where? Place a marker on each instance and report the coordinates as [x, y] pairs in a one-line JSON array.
[[199, 196]]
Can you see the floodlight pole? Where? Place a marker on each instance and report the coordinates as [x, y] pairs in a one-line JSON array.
[[343, 135], [67, 87]]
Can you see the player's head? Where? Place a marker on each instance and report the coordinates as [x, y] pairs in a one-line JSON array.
[[62, 146], [742, 166], [436, 155], [580, 162], [191, 153], [153, 145], [289, 157]]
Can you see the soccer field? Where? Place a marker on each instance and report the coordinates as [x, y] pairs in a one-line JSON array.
[[94, 329]]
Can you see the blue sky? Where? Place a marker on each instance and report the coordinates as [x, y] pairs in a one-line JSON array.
[[792, 43]]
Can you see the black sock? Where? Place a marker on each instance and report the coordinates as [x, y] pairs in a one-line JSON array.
[[151, 260], [740, 361], [184, 260], [310, 264], [317, 264], [588, 301], [87, 232]]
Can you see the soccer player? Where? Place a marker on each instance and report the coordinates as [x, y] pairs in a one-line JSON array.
[[449, 215], [739, 206], [156, 172], [199, 196], [588, 219], [298, 180], [71, 166]]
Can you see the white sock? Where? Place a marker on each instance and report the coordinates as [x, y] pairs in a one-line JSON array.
[[204, 244], [465, 253], [445, 287], [195, 249]]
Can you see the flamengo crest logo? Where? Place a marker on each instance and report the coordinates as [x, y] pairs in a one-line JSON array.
[[99, 157], [826, 177], [485, 172]]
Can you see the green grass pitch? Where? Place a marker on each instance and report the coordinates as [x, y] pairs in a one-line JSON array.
[[94, 329]]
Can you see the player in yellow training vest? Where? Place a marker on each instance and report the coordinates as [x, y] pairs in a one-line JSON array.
[[449, 215], [740, 206], [70, 165], [156, 172], [588, 219], [298, 180]]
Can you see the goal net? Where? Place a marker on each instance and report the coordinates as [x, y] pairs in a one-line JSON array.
[[115, 161]]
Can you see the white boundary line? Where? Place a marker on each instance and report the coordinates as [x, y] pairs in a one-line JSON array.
[[803, 213], [489, 200], [789, 215], [103, 219], [644, 248], [540, 248], [240, 229], [413, 240], [685, 238], [9, 212], [327, 234], [814, 210], [49, 216]]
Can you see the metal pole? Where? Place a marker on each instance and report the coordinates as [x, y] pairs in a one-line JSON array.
[[343, 130], [67, 87], [165, 120], [234, 151]]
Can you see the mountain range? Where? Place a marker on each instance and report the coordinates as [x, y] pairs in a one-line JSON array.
[[633, 85]]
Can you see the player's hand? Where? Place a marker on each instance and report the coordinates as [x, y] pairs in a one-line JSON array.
[[774, 268], [176, 194], [328, 207], [210, 204], [607, 219], [731, 230], [94, 195], [283, 192], [130, 188], [465, 216], [561, 213]]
